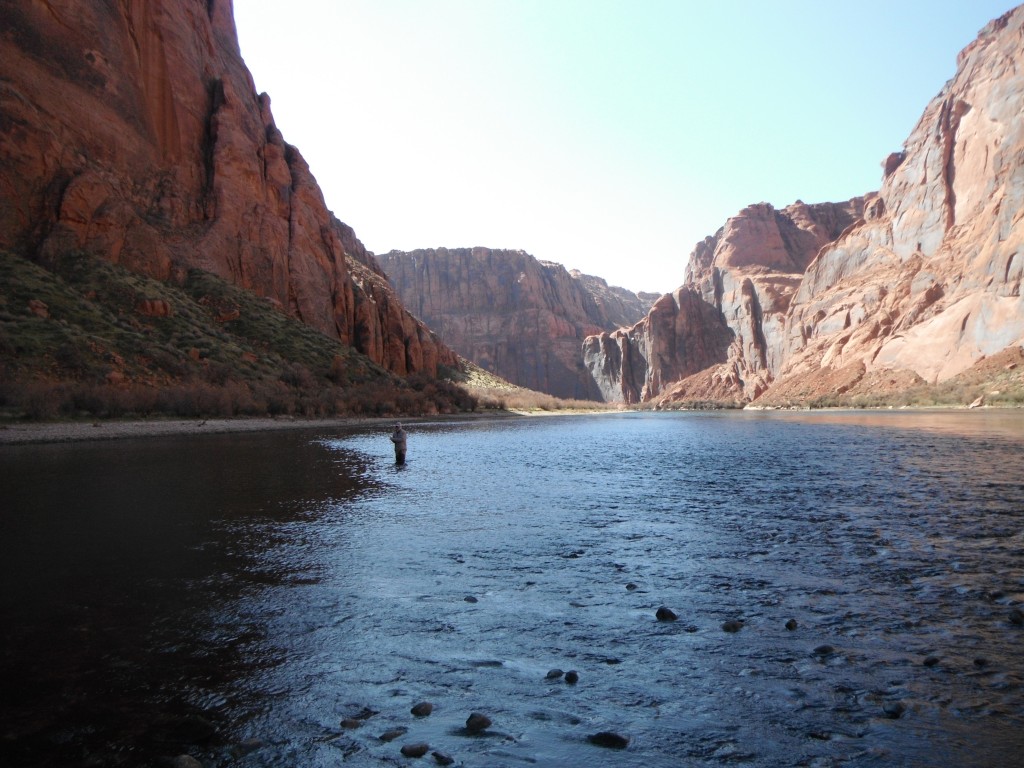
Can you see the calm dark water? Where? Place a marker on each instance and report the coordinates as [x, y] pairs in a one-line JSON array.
[[237, 597]]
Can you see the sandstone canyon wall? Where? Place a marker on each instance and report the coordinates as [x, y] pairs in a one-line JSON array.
[[511, 314], [132, 130], [915, 283], [929, 282], [730, 314]]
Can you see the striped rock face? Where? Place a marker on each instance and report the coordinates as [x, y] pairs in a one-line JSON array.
[[133, 131]]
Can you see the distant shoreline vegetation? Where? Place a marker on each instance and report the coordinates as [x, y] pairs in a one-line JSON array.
[[89, 339], [86, 339]]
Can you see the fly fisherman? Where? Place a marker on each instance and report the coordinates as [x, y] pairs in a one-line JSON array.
[[398, 437]]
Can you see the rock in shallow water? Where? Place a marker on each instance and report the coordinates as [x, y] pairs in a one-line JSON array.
[[422, 709], [443, 759], [246, 746], [572, 677], [791, 625], [392, 734], [553, 674], [609, 740], [477, 722], [666, 614], [732, 625], [415, 750], [894, 709]]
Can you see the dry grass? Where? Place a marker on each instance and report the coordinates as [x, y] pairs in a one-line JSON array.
[[81, 341], [495, 393]]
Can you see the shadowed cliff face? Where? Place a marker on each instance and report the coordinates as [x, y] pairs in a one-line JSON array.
[[511, 314], [681, 335], [731, 312], [918, 282], [133, 131]]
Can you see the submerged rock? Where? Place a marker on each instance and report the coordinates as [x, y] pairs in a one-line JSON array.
[[422, 709], [609, 740], [733, 625], [894, 709], [1017, 617], [791, 625], [246, 746], [824, 650], [477, 722], [392, 734], [415, 750], [443, 759]]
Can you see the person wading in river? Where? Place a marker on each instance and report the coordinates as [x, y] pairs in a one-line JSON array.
[[398, 437]]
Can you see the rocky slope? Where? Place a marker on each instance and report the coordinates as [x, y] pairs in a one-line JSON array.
[[511, 314], [132, 131], [915, 284]]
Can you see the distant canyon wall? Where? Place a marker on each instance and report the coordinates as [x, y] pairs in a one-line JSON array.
[[917, 282], [512, 314], [132, 130], [730, 313]]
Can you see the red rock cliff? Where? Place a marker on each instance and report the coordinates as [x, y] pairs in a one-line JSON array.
[[930, 281], [511, 314], [745, 276], [917, 282], [131, 129]]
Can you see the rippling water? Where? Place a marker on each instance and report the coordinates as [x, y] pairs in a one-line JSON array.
[[237, 597]]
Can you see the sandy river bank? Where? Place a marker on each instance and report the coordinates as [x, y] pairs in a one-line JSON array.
[[72, 431]]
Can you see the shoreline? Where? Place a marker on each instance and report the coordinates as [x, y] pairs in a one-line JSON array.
[[79, 431], [27, 433], [74, 432]]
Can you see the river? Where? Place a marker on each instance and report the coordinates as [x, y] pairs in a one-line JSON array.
[[843, 586]]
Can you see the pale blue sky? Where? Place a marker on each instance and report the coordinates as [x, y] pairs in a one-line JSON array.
[[607, 135]]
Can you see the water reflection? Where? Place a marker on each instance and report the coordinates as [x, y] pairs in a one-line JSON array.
[[987, 423], [120, 568]]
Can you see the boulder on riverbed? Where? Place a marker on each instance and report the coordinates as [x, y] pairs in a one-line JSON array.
[[477, 722], [609, 740], [422, 709], [415, 750]]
